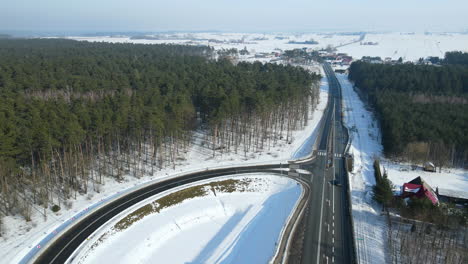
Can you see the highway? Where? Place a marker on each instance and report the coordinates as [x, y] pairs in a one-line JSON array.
[[328, 228]]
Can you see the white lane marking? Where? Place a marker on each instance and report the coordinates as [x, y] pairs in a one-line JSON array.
[[333, 194], [333, 231], [320, 222], [333, 249]]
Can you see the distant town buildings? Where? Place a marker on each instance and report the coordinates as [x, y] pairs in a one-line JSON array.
[[374, 60], [369, 43], [336, 59]]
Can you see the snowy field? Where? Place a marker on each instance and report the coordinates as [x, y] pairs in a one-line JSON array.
[[255, 43], [449, 181], [369, 225], [241, 226], [410, 47], [20, 238]]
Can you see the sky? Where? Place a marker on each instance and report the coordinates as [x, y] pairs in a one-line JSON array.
[[232, 15]]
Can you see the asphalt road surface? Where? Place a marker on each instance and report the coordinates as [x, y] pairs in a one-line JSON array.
[[328, 230]]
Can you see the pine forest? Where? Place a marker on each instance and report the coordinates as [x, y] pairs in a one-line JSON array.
[[422, 109], [73, 113]]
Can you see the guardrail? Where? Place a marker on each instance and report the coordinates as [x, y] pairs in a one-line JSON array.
[[282, 251], [348, 192], [350, 209]]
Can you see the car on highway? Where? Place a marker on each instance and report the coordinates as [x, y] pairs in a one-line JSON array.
[[336, 182]]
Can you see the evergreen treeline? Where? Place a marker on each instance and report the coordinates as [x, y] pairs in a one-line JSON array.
[[456, 57], [422, 109], [72, 112], [383, 188]]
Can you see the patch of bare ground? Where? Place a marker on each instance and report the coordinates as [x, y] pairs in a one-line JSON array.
[[225, 186]]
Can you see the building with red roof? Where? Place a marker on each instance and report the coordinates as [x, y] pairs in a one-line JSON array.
[[418, 188]]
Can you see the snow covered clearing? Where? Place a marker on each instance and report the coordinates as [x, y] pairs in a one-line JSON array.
[[20, 238], [410, 47], [370, 226], [228, 220], [450, 181]]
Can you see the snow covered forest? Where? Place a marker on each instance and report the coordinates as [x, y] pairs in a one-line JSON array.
[[73, 113]]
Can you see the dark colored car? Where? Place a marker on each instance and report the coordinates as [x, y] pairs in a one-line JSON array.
[[336, 182]]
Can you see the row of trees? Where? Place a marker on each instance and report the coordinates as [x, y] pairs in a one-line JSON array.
[[456, 57], [413, 79], [72, 113], [422, 109], [383, 188]]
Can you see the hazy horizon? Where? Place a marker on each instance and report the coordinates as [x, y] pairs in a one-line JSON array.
[[86, 16]]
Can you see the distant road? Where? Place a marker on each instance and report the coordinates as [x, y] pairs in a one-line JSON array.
[[361, 38]]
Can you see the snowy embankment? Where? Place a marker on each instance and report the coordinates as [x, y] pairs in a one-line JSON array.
[[369, 225], [228, 220], [20, 238]]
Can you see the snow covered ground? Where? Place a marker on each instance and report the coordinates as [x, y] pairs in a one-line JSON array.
[[409, 46], [19, 237], [217, 227], [369, 225], [254, 42], [450, 181]]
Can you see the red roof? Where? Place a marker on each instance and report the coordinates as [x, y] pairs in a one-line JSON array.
[[411, 188], [419, 188]]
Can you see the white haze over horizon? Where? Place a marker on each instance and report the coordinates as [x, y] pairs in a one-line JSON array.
[[233, 16]]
